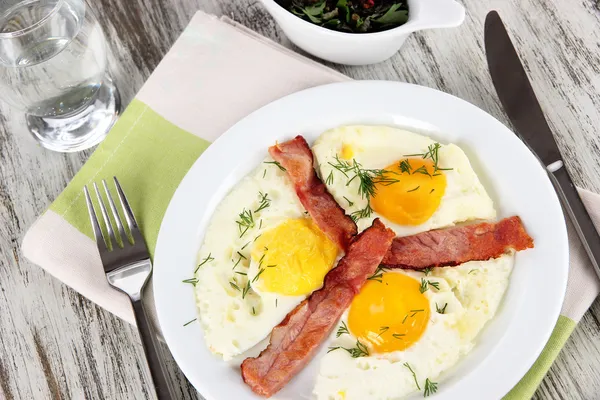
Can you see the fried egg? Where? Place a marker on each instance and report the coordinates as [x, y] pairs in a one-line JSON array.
[[261, 256], [405, 328], [411, 182]]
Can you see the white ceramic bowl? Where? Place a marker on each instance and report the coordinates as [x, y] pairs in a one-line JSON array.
[[365, 48]]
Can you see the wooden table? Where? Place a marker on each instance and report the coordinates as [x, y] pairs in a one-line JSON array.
[[56, 344]]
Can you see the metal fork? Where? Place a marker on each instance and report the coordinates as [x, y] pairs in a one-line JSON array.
[[127, 266]]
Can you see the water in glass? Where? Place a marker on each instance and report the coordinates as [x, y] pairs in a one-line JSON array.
[[52, 66]]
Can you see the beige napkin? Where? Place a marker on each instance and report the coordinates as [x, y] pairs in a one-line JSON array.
[[215, 74]]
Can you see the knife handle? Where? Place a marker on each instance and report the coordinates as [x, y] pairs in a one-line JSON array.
[[572, 203]]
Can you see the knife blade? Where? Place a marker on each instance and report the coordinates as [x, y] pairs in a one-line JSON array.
[[524, 111]]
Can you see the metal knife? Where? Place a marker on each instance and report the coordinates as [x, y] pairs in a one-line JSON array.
[[523, 109]]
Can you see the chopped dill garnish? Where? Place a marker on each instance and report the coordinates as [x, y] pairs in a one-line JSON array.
[[432, 190], [441, 310], [241, 273], [193, 281], [264, 201], [415, 312], [275, 303], [404, 320], [266, 248], [412, 190], [343, 329], [432, 153], [359, 351], [367, 178], [350, 204], [404, 166], [241, 255], [430, 388], [205, 260], [425, 285], [253, 311], [427, 270], [260, 271], [383, 330], [243, 247], [277, 164], [271, 266], [378, 275], [407, 365], [189, 322], [260, 224], [471, 271], [398, 335], [422, 170], [237, 262], [235, 286], [245, 221], [329, 180], [246, 289], [262, 258], [363, 213], [264, 173], [257, 237]]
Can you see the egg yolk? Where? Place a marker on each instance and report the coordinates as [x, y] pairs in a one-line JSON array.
[[294, 257], [389, 315], [415, 197], [347, 152]]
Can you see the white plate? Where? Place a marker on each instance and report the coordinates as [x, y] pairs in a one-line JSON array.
[[517, 183]]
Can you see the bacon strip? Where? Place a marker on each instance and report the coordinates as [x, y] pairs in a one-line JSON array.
[[457, 245], [297, 158], [297, 338]]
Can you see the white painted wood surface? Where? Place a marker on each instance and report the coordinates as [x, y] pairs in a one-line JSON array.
[[54, 344]]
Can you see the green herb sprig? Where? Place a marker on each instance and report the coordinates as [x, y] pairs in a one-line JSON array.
[[433, 154], [425, 285], [441, 310], [367, 179], [378, 275], [277, 164], [407, 365], [205, 260], [359, 351], [264, 202], [430, 388], [192, 281], [245, 221], [342, 330]]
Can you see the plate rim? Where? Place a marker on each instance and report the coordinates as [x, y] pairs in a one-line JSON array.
[[162, 313]]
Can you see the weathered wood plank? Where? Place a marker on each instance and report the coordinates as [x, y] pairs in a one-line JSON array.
[[55, 344]]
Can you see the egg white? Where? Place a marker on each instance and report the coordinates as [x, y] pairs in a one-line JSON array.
[[376, 147], [473, 292], [233, 324]]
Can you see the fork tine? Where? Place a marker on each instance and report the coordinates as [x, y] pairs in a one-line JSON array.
[[115, 213], [109, 229], [131, 222], [94, 220]]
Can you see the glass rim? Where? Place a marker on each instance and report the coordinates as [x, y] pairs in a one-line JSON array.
[[32, 27]]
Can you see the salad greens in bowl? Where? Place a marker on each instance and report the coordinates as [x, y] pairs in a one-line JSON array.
[[352, 16]]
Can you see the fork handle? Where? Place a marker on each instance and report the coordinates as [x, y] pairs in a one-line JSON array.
[[152, 350]]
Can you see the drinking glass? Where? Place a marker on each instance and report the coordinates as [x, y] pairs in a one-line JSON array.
[[53, 67]]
